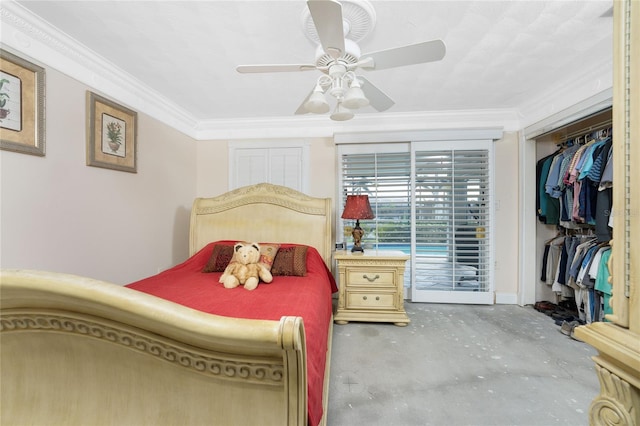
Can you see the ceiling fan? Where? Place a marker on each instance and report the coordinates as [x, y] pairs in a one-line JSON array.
[[336, 27]]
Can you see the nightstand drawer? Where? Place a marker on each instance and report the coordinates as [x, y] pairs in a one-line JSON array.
[[357, 300], [371, 277]]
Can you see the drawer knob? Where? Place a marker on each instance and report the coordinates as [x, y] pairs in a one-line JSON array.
[[370, 279], [364, 297], [377, 297]]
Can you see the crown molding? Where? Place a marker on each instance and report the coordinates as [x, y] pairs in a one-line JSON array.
[[26, 34], [322, 126], [575, 112]]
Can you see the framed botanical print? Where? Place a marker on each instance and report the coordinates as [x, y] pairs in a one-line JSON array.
[[22, 105], [111, 135]]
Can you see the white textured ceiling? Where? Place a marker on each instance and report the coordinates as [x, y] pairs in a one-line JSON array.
[[500, 54]]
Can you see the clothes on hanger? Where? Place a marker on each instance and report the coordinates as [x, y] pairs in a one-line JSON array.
[[574, 184], [575, 266], [542, 199], [573, 192]]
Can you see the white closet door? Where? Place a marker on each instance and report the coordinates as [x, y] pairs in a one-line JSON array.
[[250, 166], [286, 164], [286, 167]]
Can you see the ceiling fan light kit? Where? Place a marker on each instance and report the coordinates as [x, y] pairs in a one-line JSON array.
[[336, 27], [344, 87], [317, 103], [355, 97], [341, 113]]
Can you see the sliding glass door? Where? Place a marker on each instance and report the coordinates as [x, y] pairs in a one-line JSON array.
[[451, 219], [431, 200]]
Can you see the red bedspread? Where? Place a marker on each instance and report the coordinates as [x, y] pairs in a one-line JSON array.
[[308, 297]]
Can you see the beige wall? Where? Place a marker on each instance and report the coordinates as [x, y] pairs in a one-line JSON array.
[[506, 218], [212, 168], [60, 215], [213, 172]]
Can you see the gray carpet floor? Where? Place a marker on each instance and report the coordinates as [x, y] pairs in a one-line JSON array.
[[458, 365]]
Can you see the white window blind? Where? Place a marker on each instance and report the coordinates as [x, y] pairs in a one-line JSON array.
[[386, 179], [452, 219]]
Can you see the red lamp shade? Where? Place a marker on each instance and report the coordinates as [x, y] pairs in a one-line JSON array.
[[357, 207]]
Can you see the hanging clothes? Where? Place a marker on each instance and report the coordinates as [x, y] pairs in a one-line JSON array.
[[602, 280], [572, 183], [542, 198], [551, 258], [573, 192], [575, 266]]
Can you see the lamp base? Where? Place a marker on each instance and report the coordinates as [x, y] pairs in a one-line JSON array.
[[357, 238]]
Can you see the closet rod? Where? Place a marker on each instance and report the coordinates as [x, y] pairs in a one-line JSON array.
[[587, 130]]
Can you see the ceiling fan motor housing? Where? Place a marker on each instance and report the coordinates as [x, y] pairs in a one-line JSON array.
[[359, 19], [336, 71], [350, 56]]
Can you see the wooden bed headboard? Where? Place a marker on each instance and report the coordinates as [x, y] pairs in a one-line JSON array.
[[263, 213]]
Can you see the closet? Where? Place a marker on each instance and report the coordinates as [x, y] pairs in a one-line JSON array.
[[573, 207]]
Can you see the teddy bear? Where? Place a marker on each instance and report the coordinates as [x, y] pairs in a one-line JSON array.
[[245, 267]]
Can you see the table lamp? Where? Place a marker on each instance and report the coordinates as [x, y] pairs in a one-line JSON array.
[[357, 207]]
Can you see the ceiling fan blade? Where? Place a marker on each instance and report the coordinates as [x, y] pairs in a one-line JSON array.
[[377, 98], [244, 69], [419, 53], [327, 18]]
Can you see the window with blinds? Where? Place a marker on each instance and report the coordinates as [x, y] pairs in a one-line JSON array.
[[386, 179]]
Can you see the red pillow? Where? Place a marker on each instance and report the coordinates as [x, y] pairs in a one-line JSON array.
[[220, 258], [290, 261]]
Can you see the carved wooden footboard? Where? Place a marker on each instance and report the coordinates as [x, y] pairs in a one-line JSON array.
[[81, 351]]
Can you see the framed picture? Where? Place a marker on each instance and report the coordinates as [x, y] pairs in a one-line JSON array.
[[111, 135], [22, 96]]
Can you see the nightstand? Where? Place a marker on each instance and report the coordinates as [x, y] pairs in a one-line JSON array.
[[371, 287]]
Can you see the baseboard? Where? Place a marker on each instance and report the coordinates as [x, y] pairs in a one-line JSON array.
[[506, 298]]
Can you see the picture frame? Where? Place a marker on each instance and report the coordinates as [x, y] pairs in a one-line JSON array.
[[22, 105], [111, 135]]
